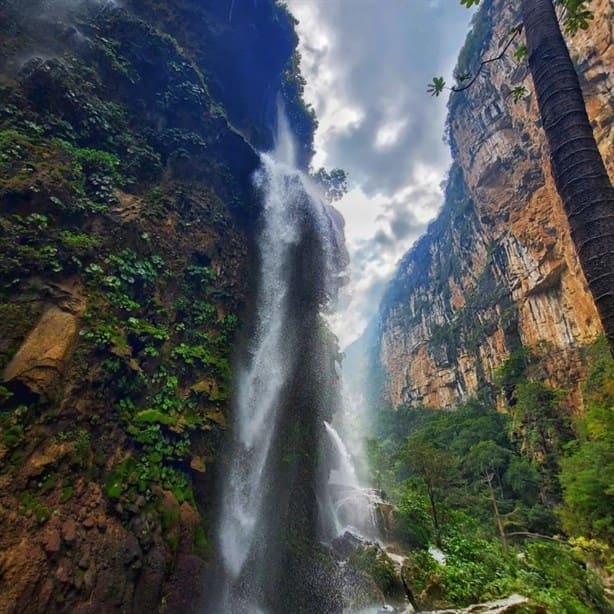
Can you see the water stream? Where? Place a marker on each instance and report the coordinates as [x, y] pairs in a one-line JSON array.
[[270, 528]]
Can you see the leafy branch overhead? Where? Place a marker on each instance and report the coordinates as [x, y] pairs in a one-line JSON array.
[[436, 87], [575, 16]]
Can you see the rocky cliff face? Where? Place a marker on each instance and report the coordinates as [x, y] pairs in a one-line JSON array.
[[127, 136], [497, 270]]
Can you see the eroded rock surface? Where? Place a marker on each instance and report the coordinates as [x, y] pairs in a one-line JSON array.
[[497, 270]]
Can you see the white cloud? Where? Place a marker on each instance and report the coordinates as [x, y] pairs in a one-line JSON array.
[[367, 63], [389, 134]]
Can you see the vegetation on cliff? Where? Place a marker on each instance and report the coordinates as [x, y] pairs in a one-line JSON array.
[[125, 231], [518, 501], [578, 168]]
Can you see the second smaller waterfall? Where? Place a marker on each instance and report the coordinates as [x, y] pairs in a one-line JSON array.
[[355, 507]]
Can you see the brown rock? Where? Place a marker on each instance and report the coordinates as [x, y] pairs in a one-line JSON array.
[[187, 584], [39, 362], [22, 568], [64, 572], [189, 519], [499, 268], [52, 542], [84, 560], [89, 522], [69, 531], [148, 591], [89, 578]]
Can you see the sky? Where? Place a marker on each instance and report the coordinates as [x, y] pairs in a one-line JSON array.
[[367, 64]]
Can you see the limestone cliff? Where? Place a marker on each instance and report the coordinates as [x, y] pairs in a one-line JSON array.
[[497, 270], [127, 144]]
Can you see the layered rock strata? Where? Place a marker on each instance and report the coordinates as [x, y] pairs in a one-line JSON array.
[[497, 270]]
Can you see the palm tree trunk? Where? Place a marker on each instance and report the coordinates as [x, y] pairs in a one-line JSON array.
[[579, 173]]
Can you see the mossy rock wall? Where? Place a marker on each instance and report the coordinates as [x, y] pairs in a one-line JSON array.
[[127, 223]]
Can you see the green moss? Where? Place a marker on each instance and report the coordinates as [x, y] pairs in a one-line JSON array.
[[67, 494], [152, 415], [121, 478], [31, 505], [202, 543]]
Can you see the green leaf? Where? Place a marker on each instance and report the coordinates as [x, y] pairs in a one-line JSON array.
[[436, 87], [519, 93], [521, 53]]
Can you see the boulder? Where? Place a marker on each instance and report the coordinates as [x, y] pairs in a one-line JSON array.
[[39, 362]]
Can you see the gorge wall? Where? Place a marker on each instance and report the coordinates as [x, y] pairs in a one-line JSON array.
[[496, 271], [128, 137]]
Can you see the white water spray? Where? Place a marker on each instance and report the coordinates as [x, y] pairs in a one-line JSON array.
[[289, 199]]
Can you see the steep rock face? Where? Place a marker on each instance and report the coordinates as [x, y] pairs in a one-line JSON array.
[[497, 270], [127, 219]]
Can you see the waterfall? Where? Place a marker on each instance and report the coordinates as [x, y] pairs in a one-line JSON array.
[[355, 506], [282, 394]]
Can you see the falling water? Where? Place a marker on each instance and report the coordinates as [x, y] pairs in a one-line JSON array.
[[270, 485], [356, 507]]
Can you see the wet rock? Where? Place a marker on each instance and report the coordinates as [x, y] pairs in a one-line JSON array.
[[189, 520], [148, 591], [186, 585], [101, 523], [64, 571], [510, 605], [359, 590], [345, 544], [132, 551], [21, 568]]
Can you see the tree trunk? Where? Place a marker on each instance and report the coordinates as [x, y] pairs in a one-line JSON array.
[[488, 477], [579, 173]]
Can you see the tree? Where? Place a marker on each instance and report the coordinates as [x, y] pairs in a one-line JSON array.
[[488, 459], [438, 471], [579, 172], [333, 183], [588, 471]]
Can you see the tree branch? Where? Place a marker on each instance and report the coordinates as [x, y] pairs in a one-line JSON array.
[[515, 32]]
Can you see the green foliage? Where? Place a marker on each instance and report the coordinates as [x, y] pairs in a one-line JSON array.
[[520, 460], [13, 424], [203, 355], [333, 183], [519, 92], [5, 394], [577, 15], [513, 370], [436, 86], [413, 517], [93, 161], [31, 506], [67, 494], [539, 421], [521, 53], [588, 470], [202, 543], [131, 269], [472, 562], [554, 577]]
